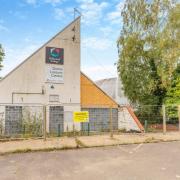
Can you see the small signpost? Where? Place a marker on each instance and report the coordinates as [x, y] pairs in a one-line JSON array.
[[81, 116]]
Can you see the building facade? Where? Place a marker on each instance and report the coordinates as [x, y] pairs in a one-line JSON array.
[[51, 77]]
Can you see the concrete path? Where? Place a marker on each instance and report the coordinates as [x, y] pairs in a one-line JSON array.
[[155, 161], [84, 141]]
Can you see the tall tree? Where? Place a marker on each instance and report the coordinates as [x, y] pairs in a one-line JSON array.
[[143, 65]]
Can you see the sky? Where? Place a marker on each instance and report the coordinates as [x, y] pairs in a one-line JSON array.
[[25, 25]]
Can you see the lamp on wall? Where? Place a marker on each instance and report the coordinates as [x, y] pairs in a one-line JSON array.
[[52, 86]]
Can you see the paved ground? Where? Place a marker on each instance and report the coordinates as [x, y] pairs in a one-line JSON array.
[[127, 162], [85, 141]]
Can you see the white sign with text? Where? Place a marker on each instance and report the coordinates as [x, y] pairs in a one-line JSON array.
[[55, 74]]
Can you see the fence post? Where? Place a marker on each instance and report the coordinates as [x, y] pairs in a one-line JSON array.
[[59, 130], [179, 116], [74, 130], [88, 128], [164, 119], [146, 126], [44, 129], [110, 119], [67, 130]]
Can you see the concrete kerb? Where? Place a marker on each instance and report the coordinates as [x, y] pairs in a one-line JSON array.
[[67, 143]]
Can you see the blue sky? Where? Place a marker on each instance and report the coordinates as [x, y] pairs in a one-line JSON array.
[[26, 24]]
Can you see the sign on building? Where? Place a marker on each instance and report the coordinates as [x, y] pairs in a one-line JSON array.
[[55, 74], [53, 98], [81, 116], [54, 55]]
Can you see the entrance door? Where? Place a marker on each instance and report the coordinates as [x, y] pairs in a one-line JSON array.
[[56, 119]]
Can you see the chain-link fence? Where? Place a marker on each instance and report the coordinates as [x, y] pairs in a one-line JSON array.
[[172, 117], [23, 121], [158, 118], [101, 120]]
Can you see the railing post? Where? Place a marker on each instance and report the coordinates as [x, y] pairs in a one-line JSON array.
[[44, 129], [164, 119]]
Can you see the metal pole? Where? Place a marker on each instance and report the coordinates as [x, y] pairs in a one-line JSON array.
[[146, 126], [44, 129], [59, 130], [88, 128], [164, 119], [111, 128], [74, 130], [179, 116]]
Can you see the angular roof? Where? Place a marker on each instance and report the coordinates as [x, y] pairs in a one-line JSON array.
[[93, 96], [109, 86], [40, 48], [114, 88]]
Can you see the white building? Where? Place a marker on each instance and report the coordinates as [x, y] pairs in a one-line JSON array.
[[51, 76]]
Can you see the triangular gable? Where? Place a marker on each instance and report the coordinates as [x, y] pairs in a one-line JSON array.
[[93, 96], [44, 45], [30, 81]]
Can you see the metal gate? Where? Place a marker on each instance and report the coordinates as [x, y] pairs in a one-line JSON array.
[[56, 119], [13, 120], [99, 119]]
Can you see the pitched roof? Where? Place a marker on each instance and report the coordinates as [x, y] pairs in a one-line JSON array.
[[40, 48], [92, 95]]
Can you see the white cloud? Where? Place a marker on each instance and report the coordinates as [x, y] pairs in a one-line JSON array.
[[59, 13], [106, 30], [96, 43], [100, 72], [32, 2], [3, 28], [53, 2], [115, 16], [91, 11], [35, 2]]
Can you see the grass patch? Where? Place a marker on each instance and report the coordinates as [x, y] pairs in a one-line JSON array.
[[80, 143]]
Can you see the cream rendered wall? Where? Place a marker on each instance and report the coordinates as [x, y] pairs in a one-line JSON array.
[[30, 76], [126, 121]]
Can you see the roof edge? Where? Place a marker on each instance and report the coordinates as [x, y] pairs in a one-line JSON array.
[[99, 88], [39, 49]]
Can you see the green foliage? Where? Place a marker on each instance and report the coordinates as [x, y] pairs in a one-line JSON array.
[[31, 124], [172, 99], [1, 56], [173, 93], [149, 49]]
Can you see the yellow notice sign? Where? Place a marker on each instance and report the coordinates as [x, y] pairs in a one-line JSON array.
[[81, 116]]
